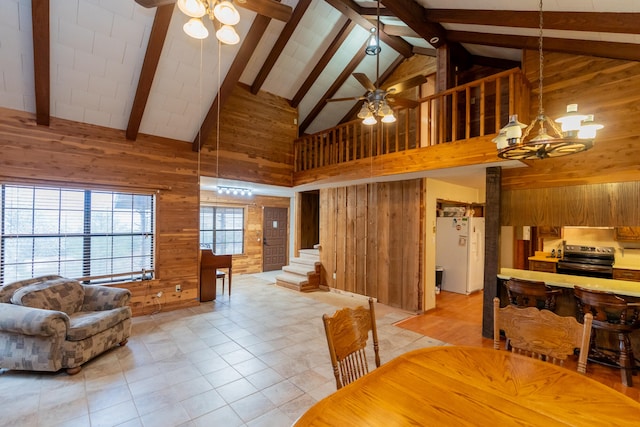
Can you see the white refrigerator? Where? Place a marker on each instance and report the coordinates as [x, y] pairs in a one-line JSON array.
[[460, 253]]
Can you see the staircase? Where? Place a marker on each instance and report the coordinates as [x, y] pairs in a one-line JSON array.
[[303, 273]]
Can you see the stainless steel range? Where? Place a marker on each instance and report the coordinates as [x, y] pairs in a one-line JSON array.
[[592, 261]]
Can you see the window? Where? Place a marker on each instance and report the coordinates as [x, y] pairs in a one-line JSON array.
[[94, 236], [222, 229]]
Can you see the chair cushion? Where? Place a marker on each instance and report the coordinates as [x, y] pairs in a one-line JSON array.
[[85, 324], [61, 294]]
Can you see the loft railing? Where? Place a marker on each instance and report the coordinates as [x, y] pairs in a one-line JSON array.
[[475, 109]]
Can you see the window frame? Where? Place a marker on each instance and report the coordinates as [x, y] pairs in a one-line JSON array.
[[88, 212], [212, 246]]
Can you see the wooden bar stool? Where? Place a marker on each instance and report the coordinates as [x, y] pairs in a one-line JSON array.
[[529, 293], [221, 275], [614, 315]]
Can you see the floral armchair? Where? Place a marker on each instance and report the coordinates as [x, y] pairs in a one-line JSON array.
[[50, 323]]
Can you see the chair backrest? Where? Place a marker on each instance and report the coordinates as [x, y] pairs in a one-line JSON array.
[[529, 293], [542, 333], [347, 334], [610, 311]]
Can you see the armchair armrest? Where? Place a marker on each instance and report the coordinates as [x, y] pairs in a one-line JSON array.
[[32, 321], [99, 298]]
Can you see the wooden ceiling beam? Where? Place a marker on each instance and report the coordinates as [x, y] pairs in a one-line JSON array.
[[424, 51], [41, 59], [149, 67], [249, 45], [400, 31], [625, 51], [415, 16], [352, 10], [337, 41], [605, 22], [339, 81], [279, 45]]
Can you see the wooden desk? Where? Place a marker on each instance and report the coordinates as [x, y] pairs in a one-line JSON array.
[[209, 264], [475, 386]]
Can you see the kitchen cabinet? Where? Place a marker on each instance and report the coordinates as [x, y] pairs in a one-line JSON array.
[[628, 234], [624, 274], [544, 266], [549, 232]]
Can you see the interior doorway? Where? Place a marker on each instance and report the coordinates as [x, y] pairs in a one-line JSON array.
[[309, 215], [274, 240]]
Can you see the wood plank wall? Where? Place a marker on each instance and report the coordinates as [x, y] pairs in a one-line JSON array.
[[251, 261], [68, 153], [256, 139], [371, 239], [596, 188]]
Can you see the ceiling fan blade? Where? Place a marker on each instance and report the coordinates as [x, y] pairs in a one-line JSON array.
[[351, 98], [154, 3], [406, 84], [269, 8], [364, 81], [402, 102]]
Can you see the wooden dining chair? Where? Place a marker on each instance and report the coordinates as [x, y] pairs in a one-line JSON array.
[[542, 333], [347, 335]]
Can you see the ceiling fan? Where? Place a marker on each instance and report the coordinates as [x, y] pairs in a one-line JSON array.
[[269, 8], [378, 98]]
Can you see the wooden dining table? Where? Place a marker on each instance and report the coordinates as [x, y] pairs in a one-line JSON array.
[[472, 386]]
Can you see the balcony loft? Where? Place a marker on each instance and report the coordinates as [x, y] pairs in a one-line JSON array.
[[448, 129]]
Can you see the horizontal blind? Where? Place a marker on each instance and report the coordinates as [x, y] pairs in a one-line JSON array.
[[222, 229], [95, 236]]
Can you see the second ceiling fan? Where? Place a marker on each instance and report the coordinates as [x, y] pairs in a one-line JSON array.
[[378, 99]]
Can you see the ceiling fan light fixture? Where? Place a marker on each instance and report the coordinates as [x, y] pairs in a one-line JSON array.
[[364, 111], [192, 8], [226, 13], [228, 35], [370, 119], [196, 29]]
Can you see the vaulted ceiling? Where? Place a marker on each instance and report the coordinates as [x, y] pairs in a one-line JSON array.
[[115, 63]]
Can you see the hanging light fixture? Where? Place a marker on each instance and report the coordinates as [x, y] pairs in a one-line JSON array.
[[576, 134], [375, 103], [222, 12]]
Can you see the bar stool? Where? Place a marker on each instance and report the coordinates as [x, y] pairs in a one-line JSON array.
[[614, 315], [529, 293], [220, 275]]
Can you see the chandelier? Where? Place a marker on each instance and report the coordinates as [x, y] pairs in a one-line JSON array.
[[575, 134], [221, 11]]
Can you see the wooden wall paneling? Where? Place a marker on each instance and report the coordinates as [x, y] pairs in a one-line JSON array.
[[351, 236], [396, 238], [341, 237], [626, 201], [327, 236], [373, 228], [383, 234], [361, 237], [410, 248]]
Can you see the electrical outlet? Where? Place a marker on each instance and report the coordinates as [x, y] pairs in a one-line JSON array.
[[178, 288]]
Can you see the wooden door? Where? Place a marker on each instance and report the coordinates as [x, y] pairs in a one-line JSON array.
[[274, 239]]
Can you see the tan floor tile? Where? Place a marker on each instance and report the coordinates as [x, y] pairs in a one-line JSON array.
[[282, 392], [203, 403], [236, 390], [166, 416], [252, 406]]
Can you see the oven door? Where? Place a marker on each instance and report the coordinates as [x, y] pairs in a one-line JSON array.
[[585, 269]]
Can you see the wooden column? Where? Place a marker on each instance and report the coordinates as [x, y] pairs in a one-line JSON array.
[[491, 248]]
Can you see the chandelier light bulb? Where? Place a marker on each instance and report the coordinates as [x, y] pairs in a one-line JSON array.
[[370, 120], [192, 8], [227, 35], [226, 13], [196, 29], [571, 122], [589, 128]]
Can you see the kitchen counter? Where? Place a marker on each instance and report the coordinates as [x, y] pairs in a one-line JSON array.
[[622, 287], [543, 258], [622, 265]]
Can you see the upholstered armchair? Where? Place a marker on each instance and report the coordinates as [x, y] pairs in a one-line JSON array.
[[50, 323]]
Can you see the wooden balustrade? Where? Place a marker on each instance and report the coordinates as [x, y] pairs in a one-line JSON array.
[[474, 109]]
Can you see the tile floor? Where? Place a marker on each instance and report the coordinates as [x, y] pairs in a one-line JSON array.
[[258, 358]]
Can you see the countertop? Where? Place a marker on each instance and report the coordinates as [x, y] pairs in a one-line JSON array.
[[543, 258], [622, 287]]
